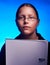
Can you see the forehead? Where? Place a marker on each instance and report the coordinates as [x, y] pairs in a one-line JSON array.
[[27, 10]]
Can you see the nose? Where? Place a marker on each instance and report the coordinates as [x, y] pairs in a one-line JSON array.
[[25, 21]]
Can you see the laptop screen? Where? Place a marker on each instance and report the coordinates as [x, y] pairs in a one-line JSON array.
[[26, 52]]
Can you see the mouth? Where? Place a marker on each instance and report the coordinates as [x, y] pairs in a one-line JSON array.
[[26, 27]]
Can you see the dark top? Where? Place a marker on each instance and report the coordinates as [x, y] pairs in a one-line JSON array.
[[3, 53]]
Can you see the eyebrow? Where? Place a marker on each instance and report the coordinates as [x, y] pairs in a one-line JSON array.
[[26, 15]]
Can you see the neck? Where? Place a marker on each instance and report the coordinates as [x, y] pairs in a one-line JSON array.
[[32, 36]]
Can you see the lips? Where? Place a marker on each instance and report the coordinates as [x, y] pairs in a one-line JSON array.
[[26, 27]]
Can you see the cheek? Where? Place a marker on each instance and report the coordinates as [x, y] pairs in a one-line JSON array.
[[34, 25], [20, 23]]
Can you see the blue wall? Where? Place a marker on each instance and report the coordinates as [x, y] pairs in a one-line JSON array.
[[8, 28]]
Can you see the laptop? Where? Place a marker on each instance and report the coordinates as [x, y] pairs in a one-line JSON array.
[[26, 52]]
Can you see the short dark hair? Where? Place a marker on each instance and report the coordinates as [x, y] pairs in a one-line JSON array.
[[28, 5]]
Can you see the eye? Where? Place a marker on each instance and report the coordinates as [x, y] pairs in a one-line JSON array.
[[20, 17], [31, 17]]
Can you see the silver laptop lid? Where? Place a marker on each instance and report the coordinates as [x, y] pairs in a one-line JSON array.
[[26, 52]]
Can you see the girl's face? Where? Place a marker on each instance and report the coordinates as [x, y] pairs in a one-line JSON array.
[[27, 20]]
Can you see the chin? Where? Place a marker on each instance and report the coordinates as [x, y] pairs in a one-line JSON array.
[[26, 33]]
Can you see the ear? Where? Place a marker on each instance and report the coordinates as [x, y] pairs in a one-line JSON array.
[[16, 22], [38, 22]]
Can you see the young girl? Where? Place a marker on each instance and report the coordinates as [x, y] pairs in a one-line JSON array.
[[27, 20]]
